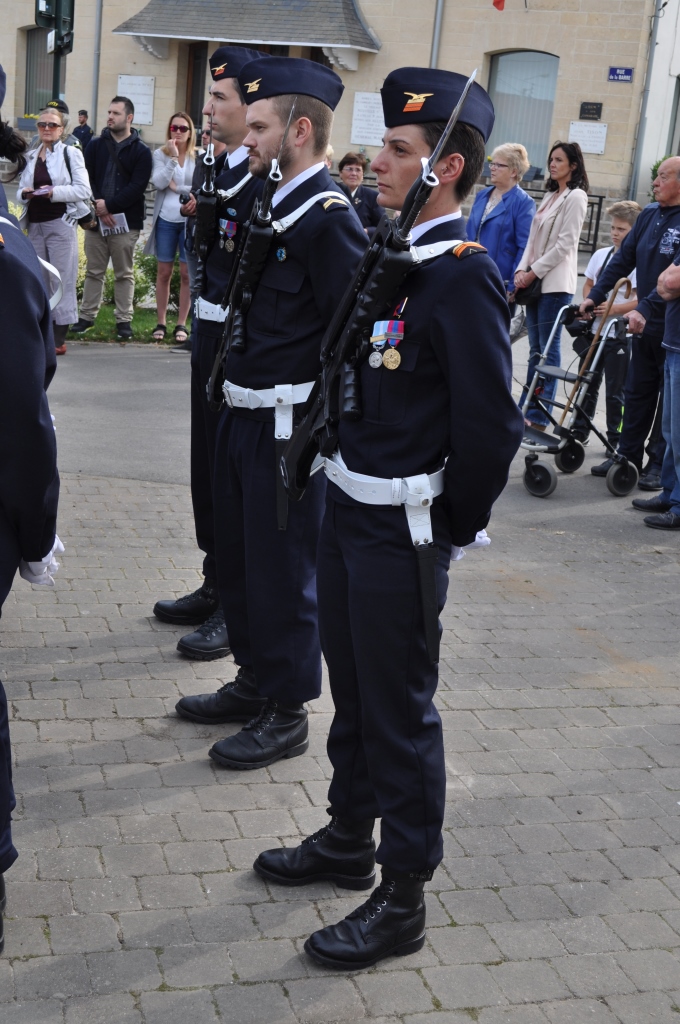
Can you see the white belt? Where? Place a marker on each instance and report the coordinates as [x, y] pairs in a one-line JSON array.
[[415, 493], [280, 398], [210, 311]]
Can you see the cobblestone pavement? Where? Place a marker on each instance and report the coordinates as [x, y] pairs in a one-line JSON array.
[[133, 901]]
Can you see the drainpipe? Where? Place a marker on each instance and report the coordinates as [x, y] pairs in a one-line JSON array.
[[656, 17], [97, 60], [437, 33]]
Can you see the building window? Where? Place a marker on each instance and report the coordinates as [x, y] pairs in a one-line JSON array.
[[522, 87], [39, 69], [673, 147], [196, 84]]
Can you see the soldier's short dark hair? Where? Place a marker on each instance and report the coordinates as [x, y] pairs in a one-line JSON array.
[[315, 110], [466, 141], [127, 103]]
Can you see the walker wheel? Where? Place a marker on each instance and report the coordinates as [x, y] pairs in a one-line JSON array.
[[570, 458], [540, 479], [622, 478]]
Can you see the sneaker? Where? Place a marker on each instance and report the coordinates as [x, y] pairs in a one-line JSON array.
[[663, 521], [651, 480], [655, 504], [82, 326], [124, 330]]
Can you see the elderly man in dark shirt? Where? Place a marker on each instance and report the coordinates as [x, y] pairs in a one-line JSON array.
[[650, 247]]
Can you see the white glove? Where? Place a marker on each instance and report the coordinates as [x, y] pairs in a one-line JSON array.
[[41, 573], [482, 540]]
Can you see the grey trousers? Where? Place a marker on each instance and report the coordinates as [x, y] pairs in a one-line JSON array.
[[57, 242], [120, 250]]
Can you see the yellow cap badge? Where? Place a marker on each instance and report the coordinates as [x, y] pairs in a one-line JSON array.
[[219, 70], [416, 101], [253, 86]]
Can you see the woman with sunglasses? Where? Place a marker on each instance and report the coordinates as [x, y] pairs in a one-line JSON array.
[[53, 188], [173, 169]]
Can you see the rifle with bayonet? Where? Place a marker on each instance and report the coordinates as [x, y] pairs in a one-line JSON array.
[[336, 393], [250, 258], [206, 209]]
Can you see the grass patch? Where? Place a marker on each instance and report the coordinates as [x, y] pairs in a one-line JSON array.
[[143, 323]]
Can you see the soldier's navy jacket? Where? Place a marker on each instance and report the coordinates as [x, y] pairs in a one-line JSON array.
[[220, 259], [450, 397], [650, 246], [306, 273], [365, 203], [29, 483]]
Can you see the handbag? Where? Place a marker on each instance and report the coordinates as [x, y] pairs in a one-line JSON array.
[[88, 220]]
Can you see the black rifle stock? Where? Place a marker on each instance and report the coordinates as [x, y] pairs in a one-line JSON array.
[[336, 393]]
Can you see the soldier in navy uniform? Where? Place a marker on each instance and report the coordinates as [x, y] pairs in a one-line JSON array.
[[266, 552], [226, 112], [439, 419], [29, 482]]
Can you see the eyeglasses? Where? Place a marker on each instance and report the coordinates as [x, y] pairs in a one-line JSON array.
[[49, 124], [494, 166], [180, 128]]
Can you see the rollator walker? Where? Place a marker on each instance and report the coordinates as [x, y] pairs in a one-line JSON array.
[[540, 478]]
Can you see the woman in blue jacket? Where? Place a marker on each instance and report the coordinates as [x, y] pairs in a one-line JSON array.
[[501, 215]]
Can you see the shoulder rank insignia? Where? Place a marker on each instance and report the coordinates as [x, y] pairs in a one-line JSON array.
[[2, 242], [329, 202], [416, 101], [465, 249]]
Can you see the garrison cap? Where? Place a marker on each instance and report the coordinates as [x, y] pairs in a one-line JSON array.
[[227, 61], [283, 76], [82, 113], [3, 84], [57, 105], [419, 95]]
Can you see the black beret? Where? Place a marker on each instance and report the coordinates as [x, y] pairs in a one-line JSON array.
[[283, 76], [57, 105], [227, 61], [418, 95]]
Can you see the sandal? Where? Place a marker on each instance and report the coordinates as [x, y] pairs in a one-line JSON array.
[[159, 332], [181, 333]]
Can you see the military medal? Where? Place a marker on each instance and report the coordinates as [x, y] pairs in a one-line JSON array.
[[281, 254], [229, 244], [390, 333], [375, 360], [228, 229], [391, 359]]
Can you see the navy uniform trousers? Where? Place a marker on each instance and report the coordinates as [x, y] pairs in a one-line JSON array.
[[643, 384], [270, 602], [206, 338], [9, 561], [385, 743]]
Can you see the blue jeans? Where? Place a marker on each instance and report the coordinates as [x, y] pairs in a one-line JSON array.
[[169, 236], [670, 471], [539, 322]]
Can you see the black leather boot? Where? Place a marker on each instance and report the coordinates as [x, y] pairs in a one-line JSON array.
[[342, 852], [277, 732], [390, 923], [208, 642], [190, 610], [237, 701]]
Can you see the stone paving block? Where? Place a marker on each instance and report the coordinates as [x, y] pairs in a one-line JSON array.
[[149, 828], [36, 1011], [525, 940], [528, 982], [154, 928], [207, 825], [196, 966], [220, 924], [475, 906], [533, 903], [253, 824], [650, 968], [476, 872], [75, 777], [130, 970], [443, 1017], [177, 1007], [511, 1015], [587, 898], [159, 892], [587, 935], [131, 776], [55, 806], [645, 894], [402, 992], [640, 863], [577, 1011], [463, 945], [643, 931], [239, 887], [538, 868], [83, 933], [72, 862], [134, 860], [317, 1000], [596, 975], [267, 960], [287, 919], [652, 1006], [25, 936], [89, 832], [101, 1009], [187, 857], [463, 987], [535, 839], [36, 899], [104, 895], [253, 1004], [48, 977]]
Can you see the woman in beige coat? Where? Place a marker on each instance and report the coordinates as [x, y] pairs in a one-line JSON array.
[[551, 255]]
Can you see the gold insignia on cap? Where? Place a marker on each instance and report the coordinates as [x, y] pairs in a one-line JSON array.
[[416, 101], [253, 86], [220, 69]]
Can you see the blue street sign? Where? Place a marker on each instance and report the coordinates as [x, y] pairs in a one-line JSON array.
[[620, 75]]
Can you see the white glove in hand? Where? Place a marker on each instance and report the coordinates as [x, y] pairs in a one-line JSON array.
[[482, 540], [41, 573]]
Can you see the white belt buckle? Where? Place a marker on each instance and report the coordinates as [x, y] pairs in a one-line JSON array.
[[283, 411], [240, 398]]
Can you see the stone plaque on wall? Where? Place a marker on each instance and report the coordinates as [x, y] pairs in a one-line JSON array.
[[368, 126], [591, 136], [139, 89]]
